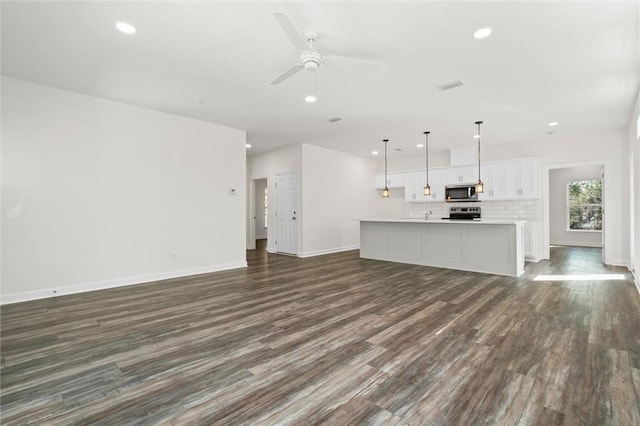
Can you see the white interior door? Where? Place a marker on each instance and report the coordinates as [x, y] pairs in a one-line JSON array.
[[287, 213]]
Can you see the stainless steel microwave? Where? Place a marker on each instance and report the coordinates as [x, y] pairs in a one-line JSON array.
[[460, 193]]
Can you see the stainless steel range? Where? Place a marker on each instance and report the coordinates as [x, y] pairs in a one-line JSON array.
[[464, 213]]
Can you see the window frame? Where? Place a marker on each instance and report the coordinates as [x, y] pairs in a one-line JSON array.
[[568, 206]]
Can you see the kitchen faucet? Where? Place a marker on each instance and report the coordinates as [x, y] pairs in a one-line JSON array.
[[427, 214]]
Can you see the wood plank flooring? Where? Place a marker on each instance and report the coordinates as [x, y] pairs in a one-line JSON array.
[[331, 339]]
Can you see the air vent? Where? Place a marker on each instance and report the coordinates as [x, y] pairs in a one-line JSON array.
[[451, 85], [334, 119]]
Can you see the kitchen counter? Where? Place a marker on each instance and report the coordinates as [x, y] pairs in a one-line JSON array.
[[487, 245], [447, 221]]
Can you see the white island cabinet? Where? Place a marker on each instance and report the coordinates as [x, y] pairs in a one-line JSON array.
[[489, 246]]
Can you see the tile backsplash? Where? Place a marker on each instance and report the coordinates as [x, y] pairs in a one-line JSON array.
[[514, 209]]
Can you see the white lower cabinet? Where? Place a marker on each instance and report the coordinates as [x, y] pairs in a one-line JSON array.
[[531, 232]]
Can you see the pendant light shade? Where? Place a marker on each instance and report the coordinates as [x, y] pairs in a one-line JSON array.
[[479, 184], [427, 188], [385, 191]]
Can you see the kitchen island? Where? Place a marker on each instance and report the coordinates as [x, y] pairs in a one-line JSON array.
[[490, 246]]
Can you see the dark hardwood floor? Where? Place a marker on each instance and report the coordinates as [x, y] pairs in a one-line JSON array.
[[332, 339]]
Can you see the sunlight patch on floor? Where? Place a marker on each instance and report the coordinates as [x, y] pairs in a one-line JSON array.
[[579, 277]]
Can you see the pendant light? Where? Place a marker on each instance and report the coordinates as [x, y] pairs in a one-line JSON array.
[[385, 191], [427, 188], [479, 184]]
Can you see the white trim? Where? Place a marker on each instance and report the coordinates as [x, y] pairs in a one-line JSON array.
[[121, 282], [576, 244], [618, 262], [532, 259], [328, 251], [606, 222], [568, 205]]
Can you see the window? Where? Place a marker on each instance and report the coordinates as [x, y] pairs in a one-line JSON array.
[[584, 199], [266, 203]]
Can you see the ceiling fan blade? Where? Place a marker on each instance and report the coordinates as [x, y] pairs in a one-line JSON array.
[[292, 32], [288, 73], [348, 58]]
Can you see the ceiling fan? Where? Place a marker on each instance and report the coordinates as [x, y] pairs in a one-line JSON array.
[[310, 59]]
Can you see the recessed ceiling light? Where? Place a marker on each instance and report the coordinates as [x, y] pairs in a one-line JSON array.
[[310, 99], [126, 28], [374, 152], [482, 33], [553, 123], [420, 145], [247, 145], [476, 136]]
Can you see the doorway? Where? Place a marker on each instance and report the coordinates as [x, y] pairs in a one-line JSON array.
[[261, 213], [574, 214]]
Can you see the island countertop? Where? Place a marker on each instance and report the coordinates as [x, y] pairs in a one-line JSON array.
[[492, 246], [446, 221]]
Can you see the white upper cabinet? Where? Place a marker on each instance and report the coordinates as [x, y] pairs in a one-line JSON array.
[[437, 182], [415, 181], [503, 180], [511, 180], [394, 180], [460, 175], [522, 179], [493, 176]]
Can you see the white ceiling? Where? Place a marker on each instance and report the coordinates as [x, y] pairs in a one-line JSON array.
[[575, 63]]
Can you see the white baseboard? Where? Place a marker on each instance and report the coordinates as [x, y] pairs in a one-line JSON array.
[[575, 244], [618, 262], [532, 259], [328, 251], [121, 282]]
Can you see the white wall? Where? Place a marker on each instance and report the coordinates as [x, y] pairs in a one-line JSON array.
[[267, 165], [337, 188], [261, 229], [558, 233], [98, 193]]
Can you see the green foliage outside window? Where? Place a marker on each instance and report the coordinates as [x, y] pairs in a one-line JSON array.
[[585, 204]]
